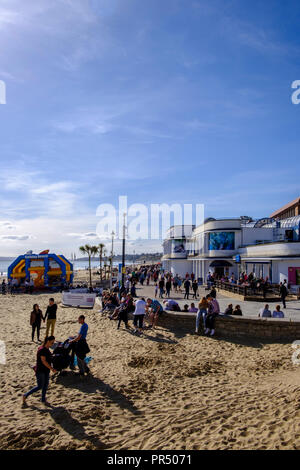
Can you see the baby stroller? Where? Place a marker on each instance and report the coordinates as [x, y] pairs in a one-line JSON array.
[[62, 356]]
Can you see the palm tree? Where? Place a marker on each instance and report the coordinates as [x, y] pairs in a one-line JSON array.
[[102, 251], [90, 251]]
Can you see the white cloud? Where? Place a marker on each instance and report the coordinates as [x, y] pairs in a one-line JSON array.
[[36, 194], [16, 237]]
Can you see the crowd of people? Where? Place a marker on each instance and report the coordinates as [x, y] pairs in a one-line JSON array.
[[256, 284], [15, 286], [122, 304], [118, 304]]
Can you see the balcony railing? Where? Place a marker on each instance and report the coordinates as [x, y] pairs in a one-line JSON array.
[[271, 291]]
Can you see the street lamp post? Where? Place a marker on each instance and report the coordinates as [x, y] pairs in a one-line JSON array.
[[111, 257], [123, 252]]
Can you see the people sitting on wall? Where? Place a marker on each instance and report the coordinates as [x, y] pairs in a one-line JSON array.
[[193, 309], [213, 312], [278, 313], [202, 313], [265, 312], [237, 311], [229, 310], [171, 305], [185, 308]]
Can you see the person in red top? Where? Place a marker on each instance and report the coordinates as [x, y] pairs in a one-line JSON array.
[[42, 370]]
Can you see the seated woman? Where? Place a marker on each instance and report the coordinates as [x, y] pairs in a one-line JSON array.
[[111, 302], [185, 308], [237, 311], [278, 313], [193, 309], [229, 310], [213, 313], [202, 313]]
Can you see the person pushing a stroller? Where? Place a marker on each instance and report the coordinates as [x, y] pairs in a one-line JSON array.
[[80, 347]]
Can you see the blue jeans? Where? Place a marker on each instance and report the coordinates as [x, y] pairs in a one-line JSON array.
[[201, 313], [42, 379]]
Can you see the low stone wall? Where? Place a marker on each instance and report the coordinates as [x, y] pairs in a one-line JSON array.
[[242, 327]]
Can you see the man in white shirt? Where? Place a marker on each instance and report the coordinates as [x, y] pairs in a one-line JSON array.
[[138, 315]]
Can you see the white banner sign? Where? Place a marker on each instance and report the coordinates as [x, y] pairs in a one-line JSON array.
[[78, 300]]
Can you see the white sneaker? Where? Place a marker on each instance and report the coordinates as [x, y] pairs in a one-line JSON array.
[[212, 333], [206, 331]]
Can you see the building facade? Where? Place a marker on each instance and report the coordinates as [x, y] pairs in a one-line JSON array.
[[267, 247], [289, 210]]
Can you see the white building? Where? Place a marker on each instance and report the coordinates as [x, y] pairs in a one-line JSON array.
[[266, 247], [175, 249]]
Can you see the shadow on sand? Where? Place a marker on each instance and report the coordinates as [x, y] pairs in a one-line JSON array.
[[159, 338], [92, 384], [251, 342], [73, 427]]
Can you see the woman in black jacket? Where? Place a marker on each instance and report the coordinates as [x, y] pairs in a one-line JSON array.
[[36, 318]]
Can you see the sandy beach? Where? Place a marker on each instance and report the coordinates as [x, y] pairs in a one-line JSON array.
[[164, 390]]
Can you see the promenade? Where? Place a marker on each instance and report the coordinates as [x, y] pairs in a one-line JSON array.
[[249, 309]]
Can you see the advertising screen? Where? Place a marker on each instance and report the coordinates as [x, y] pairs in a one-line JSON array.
[[178, 247], [221, 241]]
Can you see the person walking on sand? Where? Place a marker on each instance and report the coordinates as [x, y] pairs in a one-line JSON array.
[[42, 370], [50, 317], [36, 318]]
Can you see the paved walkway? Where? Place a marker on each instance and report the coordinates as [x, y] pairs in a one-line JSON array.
[[249, 309]]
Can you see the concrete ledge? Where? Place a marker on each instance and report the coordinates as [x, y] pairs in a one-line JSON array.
[[250, 298], [263, 328]]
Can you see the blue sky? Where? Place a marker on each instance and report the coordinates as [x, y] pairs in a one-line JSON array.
[[175, 101]]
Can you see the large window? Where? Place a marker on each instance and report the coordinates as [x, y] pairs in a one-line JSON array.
[[221, 241]]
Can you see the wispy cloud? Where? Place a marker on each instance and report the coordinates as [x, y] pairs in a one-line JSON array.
[[32, 192]]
